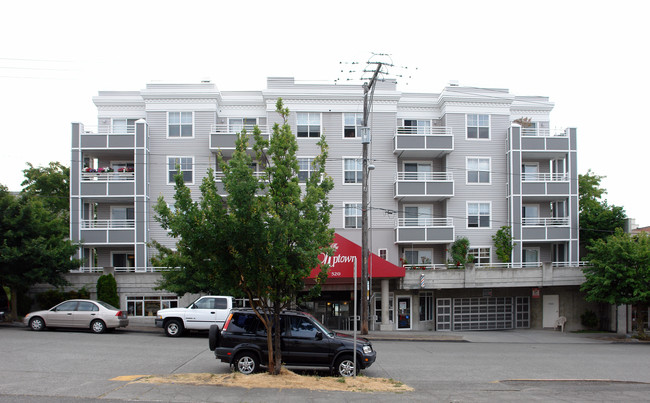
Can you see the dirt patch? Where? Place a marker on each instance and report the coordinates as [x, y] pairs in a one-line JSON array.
[[286, 380]]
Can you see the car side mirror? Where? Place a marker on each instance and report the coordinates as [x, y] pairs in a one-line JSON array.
[[319, 335]]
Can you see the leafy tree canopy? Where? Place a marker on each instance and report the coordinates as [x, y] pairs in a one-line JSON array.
[[52, 183], [262, 239], [598, 220], [619, 271]]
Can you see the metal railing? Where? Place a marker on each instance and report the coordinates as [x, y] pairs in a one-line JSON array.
[[545, 222], [424, 176], [109, 129], [235, 129], [424, 222], [107, 176], [219, 175], [107, 224], [544, 177], [541, 132], [427, 131], [148, 269], [522, 265]]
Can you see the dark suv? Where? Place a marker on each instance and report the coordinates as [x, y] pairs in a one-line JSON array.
[[305, 342]]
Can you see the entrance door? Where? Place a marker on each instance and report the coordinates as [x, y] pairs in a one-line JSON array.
[[404, 312], [551, 310]]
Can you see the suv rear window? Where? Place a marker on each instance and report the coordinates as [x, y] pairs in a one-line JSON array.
[[243, 323]]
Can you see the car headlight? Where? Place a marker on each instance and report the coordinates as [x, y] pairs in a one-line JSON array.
[[367, 349]]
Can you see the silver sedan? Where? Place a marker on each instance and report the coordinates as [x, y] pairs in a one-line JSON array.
[[78, 313]]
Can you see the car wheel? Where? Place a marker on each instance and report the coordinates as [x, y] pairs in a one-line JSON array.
[[98, 326], [344, 366], [173, 328], [37, 324], [213, 337], [247, 363]]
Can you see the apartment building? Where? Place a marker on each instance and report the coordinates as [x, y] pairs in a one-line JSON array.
[[447, 165]]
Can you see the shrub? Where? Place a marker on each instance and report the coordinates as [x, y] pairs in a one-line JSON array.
[[459, 250], [589, 319], [107, 290]]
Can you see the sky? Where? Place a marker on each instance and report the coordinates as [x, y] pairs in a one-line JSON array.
[[589, 57]]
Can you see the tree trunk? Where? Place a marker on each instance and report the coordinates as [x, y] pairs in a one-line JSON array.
[[641, 311], [277, 350], [269, 346]]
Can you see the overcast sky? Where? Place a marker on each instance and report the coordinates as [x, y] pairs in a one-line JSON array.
[[590, 58]]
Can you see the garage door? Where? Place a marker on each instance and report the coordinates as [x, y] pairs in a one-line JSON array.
[[487, 313]]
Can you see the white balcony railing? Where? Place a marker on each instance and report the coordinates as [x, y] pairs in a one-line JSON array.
[[107, 176], [424, 176], [427, 131], [522, 265], [424, 222], [544, 177], [107, 224], [541, 132], [545, 222], [219, 175], [109, 129], [100, 269], [234, 129]]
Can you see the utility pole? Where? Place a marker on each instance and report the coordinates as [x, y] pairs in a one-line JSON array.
[[368, 88]]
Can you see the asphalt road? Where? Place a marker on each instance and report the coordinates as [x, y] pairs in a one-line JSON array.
[[73, 366]]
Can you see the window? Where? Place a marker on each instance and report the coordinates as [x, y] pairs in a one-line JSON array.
[[481, 255], [478, 215], [305, 169], [418, 256], [478, 170], [530, 255], [426, 305], [412, 126], [529, 172], [417, 171], [235, 125], [352, 215], [478, 126], [123, 259], [378, 312], [149, 305], [123, 126], [351, 123], [308, 124], [418, 216], [302, 328], [186, 165], [122, 217], [180, 124], [383, 253], [530, 214], [87, 306], [352, 170]]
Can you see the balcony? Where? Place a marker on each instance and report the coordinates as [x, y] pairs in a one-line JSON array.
[[545, 184], [536, 140], [424, 186], [107, 183], [223, 137], [100, 232], [423, 142], [424, 230], [108, 136], [545, 229]]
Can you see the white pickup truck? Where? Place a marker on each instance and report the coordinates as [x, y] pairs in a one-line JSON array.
[[199, 315]]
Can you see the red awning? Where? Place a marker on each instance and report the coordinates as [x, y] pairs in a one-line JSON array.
[[342, 263]]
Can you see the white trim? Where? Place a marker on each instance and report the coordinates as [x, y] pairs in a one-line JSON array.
[[379, 253], [360, 159], [467, 203], [356, 131], [179, 136], [356, 216], [467, 170], [167, 168], [489, 126], [320, 125], [489, 248]]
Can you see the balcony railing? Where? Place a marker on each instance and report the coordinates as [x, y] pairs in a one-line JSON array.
[[496, 266], [107, 224], [424, 176], [234, 129], [148, 269], [424, 222], [107, 176], [428, 131], [541, 132], [545, 222], [544, 177], [109, 129], [219, 175]]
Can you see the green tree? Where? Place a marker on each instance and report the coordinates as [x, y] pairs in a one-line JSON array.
[[52, 183], [619, 272], [107, 290], [33, 245], [598, 219], [503, 244], [262, 239], [459, 250]]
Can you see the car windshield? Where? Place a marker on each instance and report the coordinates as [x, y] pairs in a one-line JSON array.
[[320, 325], [107, 306]]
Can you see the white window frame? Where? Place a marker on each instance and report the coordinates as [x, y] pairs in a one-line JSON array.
[[180, 163], [422, 220], [478, 126], [180, 125], [358, 179], [430, 252], [310, 168], [417, 175], [347, 205], [383, 251], [530, 176], [479, 215], [422, 126], [358, 118], [534, 248], [479, 254], [478, 170], [130, 128], [237, 127], [531, 222], [429, 307], [309, 124]]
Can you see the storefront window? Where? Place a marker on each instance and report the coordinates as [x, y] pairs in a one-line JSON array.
[[149, 305]]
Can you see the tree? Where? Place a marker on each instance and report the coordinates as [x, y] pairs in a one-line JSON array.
[[33, 247], [503, 244], [262, 239], [619, 272], [52, 183], [107, 290], [598, 220], [459, 250]]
